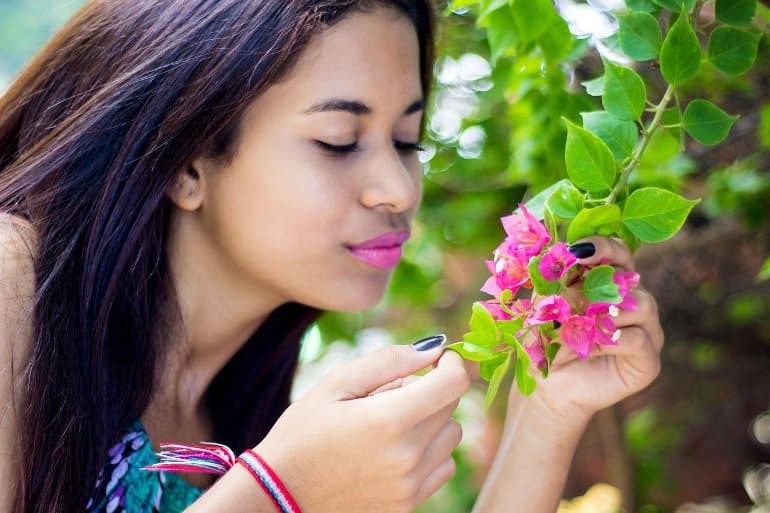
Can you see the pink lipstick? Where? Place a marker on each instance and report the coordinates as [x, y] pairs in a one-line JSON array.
[[383, 252]]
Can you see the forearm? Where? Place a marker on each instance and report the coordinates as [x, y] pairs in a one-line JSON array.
[[234, 492], [532, 462]]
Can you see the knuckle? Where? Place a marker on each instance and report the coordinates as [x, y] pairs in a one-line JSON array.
[[406, 490], [646, 300], [336, 377], [635, 337], [406, 460]]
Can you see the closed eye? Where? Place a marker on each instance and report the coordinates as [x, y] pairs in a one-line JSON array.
[[342, 150], [405, 146], [336, 150]]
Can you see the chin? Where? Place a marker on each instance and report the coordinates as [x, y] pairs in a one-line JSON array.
[[351, 298]]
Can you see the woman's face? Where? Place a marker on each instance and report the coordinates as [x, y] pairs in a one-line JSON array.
[[326, 162]]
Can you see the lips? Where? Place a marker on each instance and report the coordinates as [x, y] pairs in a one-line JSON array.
[[383, 252]]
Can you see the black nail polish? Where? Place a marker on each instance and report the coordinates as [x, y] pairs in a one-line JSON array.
[[583, 250], [429, 343]]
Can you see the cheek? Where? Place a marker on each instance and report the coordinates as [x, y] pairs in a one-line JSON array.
[[278, 208]]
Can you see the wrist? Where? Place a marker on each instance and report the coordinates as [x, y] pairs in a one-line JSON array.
[[284, 468], [537, 416]]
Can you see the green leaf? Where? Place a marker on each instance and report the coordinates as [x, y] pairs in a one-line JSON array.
[[532, 17], [483, 323], [510, 327], [556, 42], [672, 121], [598, 286], [655, 215], [707, 123], [501, 33], [542, 286], [590, 164], [494, 382], [487, 368], [472, 352], [764, 273], [524, 381], [566, 201], [487, 7], [640, 35], [592, 221], [624, 92], [631, 240], [733, 50], [675, 5], [680, 55], [594, 87], [551, 350], [477, 339], [643, 6], [736, 12], [764, 126], [619, 135], [536, 204]]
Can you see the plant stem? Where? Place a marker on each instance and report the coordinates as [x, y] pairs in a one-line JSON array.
[[647, 134]]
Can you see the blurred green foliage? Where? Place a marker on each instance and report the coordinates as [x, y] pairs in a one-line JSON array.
[[496, 138]]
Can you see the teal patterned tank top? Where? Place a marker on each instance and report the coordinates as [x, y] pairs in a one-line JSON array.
[[122, 487]]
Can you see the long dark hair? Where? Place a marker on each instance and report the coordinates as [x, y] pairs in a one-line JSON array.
[[92, 133]]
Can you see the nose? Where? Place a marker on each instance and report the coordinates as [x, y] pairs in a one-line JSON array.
[[393, 181]]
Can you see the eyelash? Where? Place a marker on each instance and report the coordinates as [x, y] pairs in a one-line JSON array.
[[341, 151]]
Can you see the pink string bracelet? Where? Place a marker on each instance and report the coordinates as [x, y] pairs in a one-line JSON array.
[[214, 458]]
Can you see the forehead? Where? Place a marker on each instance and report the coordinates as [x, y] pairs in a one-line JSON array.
[[371, 56]]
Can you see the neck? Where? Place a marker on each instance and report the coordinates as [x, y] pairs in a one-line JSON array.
[[217, 313]]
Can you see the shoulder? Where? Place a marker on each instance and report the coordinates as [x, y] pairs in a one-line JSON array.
[[18, 243]]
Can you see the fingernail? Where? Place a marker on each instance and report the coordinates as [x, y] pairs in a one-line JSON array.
[[429, 343], [583, 249]]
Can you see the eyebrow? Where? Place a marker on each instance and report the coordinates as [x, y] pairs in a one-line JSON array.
[[356, 107]]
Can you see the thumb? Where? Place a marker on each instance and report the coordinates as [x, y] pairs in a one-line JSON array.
[[366, 374]]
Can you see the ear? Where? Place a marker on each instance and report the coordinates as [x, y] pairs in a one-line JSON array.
[[188, 189]]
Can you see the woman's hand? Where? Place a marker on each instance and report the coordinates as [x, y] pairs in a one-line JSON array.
[[576, 389], [357, 442]]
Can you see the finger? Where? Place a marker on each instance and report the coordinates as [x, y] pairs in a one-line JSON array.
[[636, 350], [397, 383], [645, 316], [429, 428], [436, 479], [431, 393], [606, 251], [439, 449], [363, 375], [633, 344]]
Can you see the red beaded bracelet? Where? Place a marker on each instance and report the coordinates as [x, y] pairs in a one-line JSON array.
[[213, 458]]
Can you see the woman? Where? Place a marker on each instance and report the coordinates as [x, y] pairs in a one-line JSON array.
[[185, 186]]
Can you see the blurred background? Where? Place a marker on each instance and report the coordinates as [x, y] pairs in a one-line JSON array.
[[699, 438]]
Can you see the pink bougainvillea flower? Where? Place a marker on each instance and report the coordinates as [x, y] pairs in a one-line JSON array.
[[626, 282], [556, 262], [536, 352], [528, 234], [494, 308], [578, 332], [521, 307], [551, 308], [509, 273], [606, 332]]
